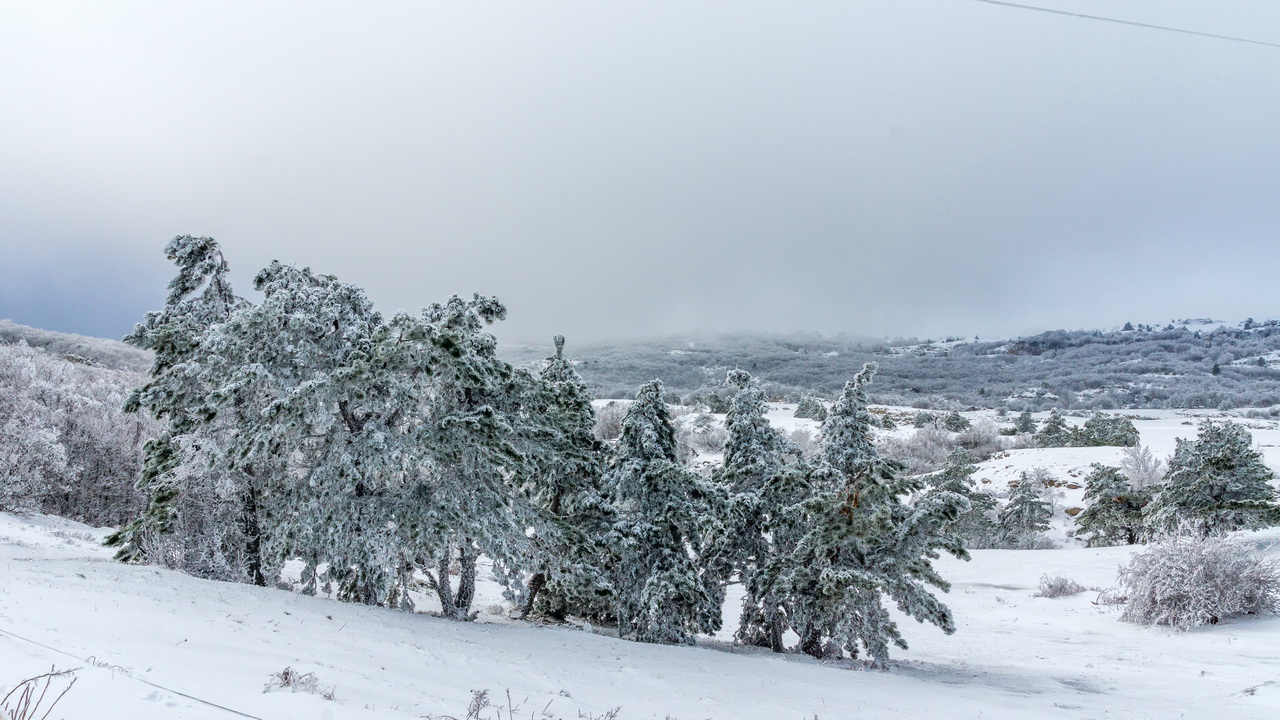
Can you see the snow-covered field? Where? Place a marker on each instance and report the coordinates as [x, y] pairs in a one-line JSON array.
[[153, 643]]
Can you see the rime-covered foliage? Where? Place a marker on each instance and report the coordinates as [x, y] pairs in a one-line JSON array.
[[1186, 581], [1054, 432], [1141, 466], [861, 541], [667, 577], [755, 460], [1216, 483], [1025, 423], [570, 557], [976, 525], [1113, 515], [66, 447], [1102, 429], [812, 408], [1025, 515]]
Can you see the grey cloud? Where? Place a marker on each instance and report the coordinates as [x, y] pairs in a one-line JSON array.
[[927, 167]]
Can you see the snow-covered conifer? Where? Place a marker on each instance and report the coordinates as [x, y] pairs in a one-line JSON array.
[[755, 458], [976, 525], [812, 408], [862, 541], [1025, 515], [1026, 423], [1054, 432], [1113, 515], [570, 562], [1218, 483], [200, 296], [1110, 430], [955, 422], [668, 522]]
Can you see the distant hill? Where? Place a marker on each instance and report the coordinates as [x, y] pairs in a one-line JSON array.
[[77, 348], [1198, 363]]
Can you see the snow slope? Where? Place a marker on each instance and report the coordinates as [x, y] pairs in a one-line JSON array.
[[152, 643]]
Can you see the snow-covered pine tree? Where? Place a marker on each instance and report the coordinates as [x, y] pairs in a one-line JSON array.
[[1025, 515], [570, 561], [1054, 432], [1107, 430], [976, 525], [1026, 423], [1218, 483], [862, 541], [811, 408], [955, 422], [1113, 515], [755, 458], [200, 296], [668, 520]]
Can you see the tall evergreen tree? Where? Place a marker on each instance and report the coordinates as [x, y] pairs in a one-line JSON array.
[[861, 541], [1113, 515], [665, 534], [200, 296], [1026, 423], [755, 458], [1054, 432], [570, 557], [975, 526], [1025, 515], [1218, 483]]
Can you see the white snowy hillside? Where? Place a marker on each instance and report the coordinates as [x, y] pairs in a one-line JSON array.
[[153, 643]]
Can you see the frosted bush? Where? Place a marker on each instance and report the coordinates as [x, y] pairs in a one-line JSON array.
[[1185, 581], [1056, 587]]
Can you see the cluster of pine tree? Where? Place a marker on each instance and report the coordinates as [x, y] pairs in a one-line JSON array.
[[1215, 484], [1099, 430], [389, 455]]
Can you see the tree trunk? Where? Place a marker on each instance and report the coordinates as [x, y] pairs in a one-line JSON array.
[[535, 585], [252, 536]]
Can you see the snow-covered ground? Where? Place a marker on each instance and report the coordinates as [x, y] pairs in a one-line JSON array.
[[152, 643]]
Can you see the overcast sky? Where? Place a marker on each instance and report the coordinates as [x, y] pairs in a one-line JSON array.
[[624, 169]]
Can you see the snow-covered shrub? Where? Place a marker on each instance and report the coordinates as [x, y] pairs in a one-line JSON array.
[[1184, 581], [982, 440], [1056, 587], [925, 451], [1141, 466], [698, 433]]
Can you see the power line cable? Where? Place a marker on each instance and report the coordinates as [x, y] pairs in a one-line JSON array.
[[1132, 23], [126, 673]]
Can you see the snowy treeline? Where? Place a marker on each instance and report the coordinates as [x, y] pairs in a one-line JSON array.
[[1177, 366], [385, 455], [66, 447]]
